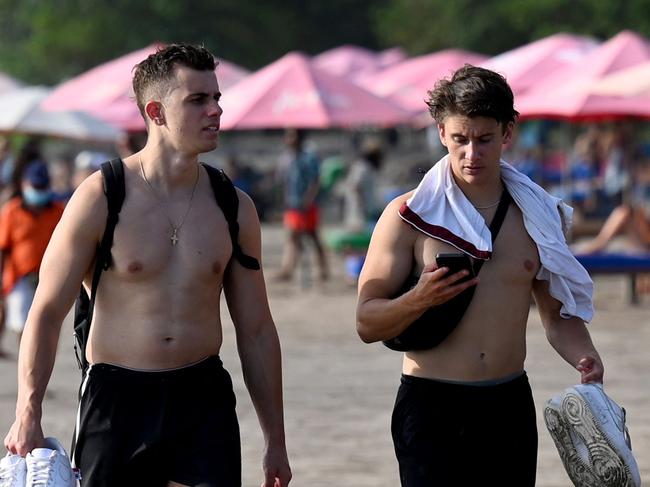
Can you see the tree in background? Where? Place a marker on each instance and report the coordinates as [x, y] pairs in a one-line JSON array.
[[45, 42], [495, 26]]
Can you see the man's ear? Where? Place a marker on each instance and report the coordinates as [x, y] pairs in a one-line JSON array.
[[441, 133], [507, 132], [155, 112]]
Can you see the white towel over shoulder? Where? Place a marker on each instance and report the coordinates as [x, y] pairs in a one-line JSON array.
[[441, 210]]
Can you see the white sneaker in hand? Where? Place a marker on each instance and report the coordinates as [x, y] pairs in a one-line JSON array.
[[13, 471], [588, 429], [49, 466]]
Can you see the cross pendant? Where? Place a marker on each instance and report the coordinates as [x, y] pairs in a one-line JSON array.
[[174, 237]]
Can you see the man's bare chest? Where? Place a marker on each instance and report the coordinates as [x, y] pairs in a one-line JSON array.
[[514, 255], [145, 244]]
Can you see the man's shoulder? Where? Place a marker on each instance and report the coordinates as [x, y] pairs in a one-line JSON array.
[[393, 210], [247, 213], [399, 201], [91, 187], [241, 194], [89, 197]]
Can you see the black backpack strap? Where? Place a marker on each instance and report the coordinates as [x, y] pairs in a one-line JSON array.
[[114, 189], [495, 224], [226, 196]]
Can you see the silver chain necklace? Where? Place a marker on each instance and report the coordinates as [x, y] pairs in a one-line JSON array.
[[486, 207], [175, 228]]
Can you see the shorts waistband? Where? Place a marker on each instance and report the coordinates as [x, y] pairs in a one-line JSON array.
[[211, 362], [508, 379]]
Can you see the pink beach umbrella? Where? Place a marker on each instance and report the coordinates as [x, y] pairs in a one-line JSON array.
[[575, 103], [622, 51], [569, 93], [407, 82], [632, 81], [292, 92], [229, 74], [384, 60], [347, 61], [527, 65], [391, 56], [106, 90], [357, 63]]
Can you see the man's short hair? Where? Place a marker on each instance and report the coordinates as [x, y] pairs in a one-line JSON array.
[[473, 92], [152, 75]]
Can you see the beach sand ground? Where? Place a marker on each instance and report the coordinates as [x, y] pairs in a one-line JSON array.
[[339, 392]]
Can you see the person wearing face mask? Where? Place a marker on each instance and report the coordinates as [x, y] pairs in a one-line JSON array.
[[27, 222]]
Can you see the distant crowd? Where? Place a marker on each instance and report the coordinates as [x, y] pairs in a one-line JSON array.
[[601, 170]]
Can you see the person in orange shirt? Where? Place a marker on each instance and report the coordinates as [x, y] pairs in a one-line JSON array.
[[27, 222]]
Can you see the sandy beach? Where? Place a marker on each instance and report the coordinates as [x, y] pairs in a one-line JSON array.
[[339, 392]]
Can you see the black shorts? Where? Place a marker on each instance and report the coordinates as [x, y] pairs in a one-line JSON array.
[[454, 434], [141, 428]]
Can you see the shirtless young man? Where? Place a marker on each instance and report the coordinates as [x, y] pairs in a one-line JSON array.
[[158, 408], [464, 413]]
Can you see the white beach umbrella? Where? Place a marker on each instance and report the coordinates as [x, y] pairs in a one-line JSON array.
[[7, 83], [20, 114]]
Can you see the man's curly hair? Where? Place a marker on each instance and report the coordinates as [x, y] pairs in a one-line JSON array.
[[154, 73], [473, 92]]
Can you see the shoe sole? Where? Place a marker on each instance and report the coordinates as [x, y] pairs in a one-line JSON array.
[[579, 473], [608, 468]]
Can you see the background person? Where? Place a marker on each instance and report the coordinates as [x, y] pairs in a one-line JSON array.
[[27, 222], [29, 152], [362, 205], [627, 228], [361, 208], [301, 215]]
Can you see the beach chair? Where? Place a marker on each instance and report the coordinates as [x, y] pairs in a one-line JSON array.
[[610, 263]]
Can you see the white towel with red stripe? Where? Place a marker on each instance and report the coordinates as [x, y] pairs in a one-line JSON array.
[[441, 210]]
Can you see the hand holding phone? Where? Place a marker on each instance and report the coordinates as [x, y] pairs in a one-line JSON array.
[[456, 262]]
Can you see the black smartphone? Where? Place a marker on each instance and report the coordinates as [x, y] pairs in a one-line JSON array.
[[456, 262]]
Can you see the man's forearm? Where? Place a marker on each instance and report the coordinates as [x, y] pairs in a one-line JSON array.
[[35, 364], [383, 319], [571, 339], [262, 367]]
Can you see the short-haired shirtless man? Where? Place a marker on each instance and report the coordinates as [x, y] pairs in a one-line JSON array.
[[464, 414], [158, 407]]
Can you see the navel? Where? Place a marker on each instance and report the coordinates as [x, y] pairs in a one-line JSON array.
[[135, 267], [482, 355], [169, 339], [528, 265]]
